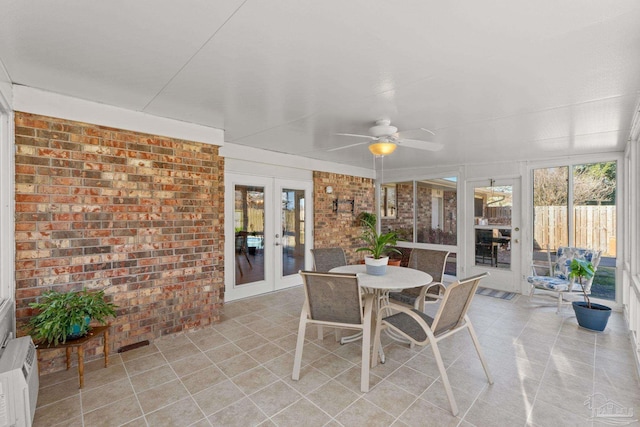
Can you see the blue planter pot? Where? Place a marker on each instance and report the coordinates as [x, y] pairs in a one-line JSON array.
[[75, 330], [594, 318]]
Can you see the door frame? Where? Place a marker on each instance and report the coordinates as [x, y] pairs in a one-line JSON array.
[[507, 280], [273, 278]]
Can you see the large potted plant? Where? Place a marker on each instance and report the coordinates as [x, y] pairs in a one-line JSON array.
[[589, 315], [378, 245], [67, 315]]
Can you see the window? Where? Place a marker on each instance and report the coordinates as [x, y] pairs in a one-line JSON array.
[[388, 201], [576, 206], [427, 206]]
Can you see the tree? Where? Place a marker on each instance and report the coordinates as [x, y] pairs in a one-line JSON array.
[[592, 184]]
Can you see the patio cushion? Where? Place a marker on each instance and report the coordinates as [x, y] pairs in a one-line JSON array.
[[552, 283]]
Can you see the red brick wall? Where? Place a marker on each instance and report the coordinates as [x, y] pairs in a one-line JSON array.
[[340, 229], [140, 216]]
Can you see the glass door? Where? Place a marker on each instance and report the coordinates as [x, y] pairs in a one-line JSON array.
[[267, 224], [494, 238], [293, 231]]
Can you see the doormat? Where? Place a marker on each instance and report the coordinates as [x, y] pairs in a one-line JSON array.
[[496, 294]]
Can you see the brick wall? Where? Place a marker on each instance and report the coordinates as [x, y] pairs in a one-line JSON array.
[[340, 229], [140, 216]]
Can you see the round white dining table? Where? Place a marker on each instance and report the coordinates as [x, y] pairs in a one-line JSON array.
[[395, 279]]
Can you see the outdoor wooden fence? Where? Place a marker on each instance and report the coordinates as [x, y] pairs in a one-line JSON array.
[[595, 228]]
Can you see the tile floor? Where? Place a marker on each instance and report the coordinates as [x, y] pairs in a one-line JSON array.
[[238, 373]]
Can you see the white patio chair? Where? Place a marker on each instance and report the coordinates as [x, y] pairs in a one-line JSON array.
[[421, 329], [334, 299], [558, 283]]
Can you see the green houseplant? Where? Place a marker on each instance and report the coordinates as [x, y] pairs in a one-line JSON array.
[[589, 315], [66, 315], [378, 245]]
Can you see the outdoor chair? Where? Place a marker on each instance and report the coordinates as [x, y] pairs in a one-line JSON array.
[[334, 299], [324, 259], [421, 329], [557, 282], [432, 262]]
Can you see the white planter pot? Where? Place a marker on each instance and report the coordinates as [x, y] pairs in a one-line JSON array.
[[376, 267]]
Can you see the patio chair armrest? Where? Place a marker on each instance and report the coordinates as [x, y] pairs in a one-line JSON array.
[[410, 312], [434, 286]]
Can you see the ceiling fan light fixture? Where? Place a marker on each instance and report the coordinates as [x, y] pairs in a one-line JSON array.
[[382, 148]]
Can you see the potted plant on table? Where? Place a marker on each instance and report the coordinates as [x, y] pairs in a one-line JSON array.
[[378, 245], [589, 315], [67, 315]]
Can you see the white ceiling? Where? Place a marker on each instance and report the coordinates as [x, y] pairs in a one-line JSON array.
[[495, 80]]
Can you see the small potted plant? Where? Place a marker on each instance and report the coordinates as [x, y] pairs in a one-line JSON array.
[[377, 244], [589, 315], [67, 315]]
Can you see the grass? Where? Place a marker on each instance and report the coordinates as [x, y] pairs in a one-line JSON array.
[[604, 283]]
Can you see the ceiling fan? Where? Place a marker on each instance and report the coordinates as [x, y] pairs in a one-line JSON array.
[[385, 138]]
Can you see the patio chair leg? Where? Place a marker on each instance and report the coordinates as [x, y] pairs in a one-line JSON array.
[[445, 378], [476, 343], [297, 361], [559, 302]]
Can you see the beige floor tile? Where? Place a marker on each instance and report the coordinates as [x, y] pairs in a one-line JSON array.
[[351, 379], [544, 414], [152, 378], [192, 363], [119, 412], [59, 391], [251, 342], [240, 414], [223, 352], [310, 379], [57, 412], [423, 413], [100, 396], [186, 349], [484, 414], [281, 366], [162, 395], [333, 397], [390, 398], [274, 398], [217, 397], [203, 379], [255, 379], [437, 396], [101, 376], [302, 412], [144, 363], [364, 413], [183, 412], [411, 380], [267, 352], [332, 365], [237, 365]]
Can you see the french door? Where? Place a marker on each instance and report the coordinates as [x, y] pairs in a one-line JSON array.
[[268, 227], [493, 232]]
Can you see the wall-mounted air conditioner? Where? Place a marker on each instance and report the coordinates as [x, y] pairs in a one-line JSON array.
[[18, 383]]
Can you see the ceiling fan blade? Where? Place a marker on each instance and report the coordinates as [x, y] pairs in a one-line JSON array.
[[421, 145], [356, 135], [346, 146], [430, 131]]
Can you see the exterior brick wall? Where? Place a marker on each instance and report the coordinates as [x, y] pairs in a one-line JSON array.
[[340, 229], [140, 216]]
